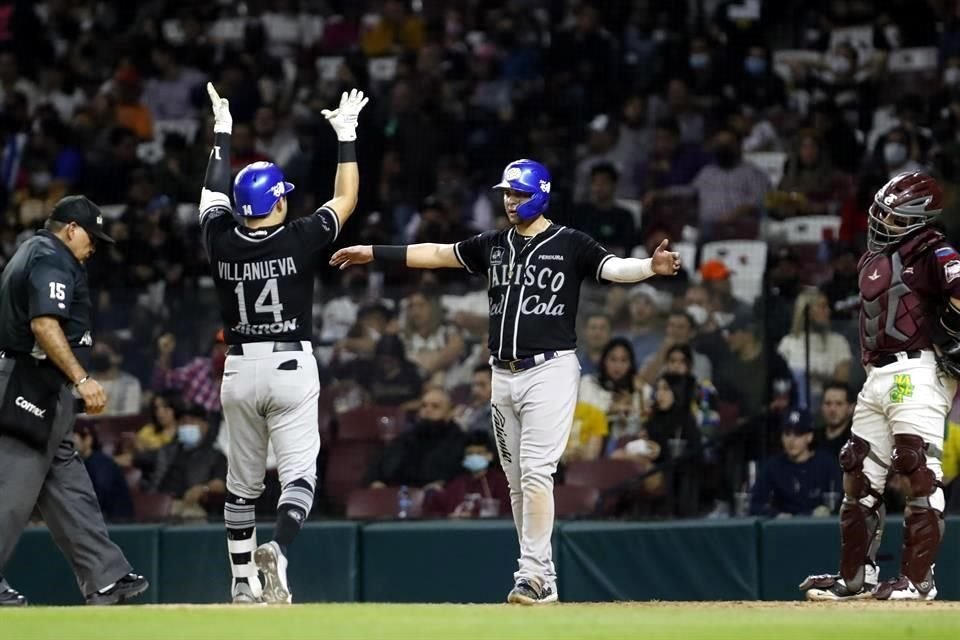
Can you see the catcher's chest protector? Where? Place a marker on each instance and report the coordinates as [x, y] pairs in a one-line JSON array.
[[892, 315]]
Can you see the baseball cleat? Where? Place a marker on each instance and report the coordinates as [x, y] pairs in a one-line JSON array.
[[273, 565], [243, 594], [902, 588], [10, 597], [527, 593], [129, 586], [826, 586]]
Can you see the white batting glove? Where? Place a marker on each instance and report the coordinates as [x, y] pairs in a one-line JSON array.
[[222, 120], [343, 119]]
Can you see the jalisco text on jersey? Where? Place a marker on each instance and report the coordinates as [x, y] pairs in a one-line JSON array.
[[260, 270], [542, 278]]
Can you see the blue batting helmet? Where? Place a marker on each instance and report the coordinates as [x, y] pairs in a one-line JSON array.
[[257, 189], [530, 177]]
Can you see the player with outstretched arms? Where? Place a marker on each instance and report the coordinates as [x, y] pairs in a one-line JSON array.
[[534, 270]]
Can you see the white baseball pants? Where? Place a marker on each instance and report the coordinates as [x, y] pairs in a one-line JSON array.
[[532, 416]]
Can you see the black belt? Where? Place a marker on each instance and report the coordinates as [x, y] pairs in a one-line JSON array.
[[237, 349], [524, 363], [890, 358]]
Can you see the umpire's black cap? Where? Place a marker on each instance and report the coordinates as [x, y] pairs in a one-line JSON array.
[[81, 210]]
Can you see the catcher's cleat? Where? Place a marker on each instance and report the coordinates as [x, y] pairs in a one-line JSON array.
[[832, 587], [901, 588]]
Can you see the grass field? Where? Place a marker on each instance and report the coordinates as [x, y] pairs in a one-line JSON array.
[[646, 621]]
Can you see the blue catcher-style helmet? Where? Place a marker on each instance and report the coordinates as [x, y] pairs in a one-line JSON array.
[[530, 177], [257, 188]]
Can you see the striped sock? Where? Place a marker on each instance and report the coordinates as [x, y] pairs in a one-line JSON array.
[[239, 518], [294, 506]]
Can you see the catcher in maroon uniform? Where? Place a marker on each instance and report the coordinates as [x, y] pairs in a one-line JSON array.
[[910, 339]]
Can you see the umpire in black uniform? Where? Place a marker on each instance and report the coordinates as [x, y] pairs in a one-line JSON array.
[[44, 315]]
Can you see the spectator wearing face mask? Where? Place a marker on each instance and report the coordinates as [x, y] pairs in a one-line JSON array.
[[758, 86], [479, 490], [897, 152], [189, 468], [124, 394], [731, 191], [429, 453]]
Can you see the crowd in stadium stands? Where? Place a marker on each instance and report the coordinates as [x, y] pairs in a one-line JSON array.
[[752, 133]]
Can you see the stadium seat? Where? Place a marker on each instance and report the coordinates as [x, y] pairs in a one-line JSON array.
[[601, 474], [152, 507], [572, 501], [372, 423], [114, 431], [804, 229], [747, 259], [347, 464], [133, 475], [381, 504]]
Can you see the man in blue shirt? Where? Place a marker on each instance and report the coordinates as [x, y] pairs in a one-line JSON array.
[[800, 480]]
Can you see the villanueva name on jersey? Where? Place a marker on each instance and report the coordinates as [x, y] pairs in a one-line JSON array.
[[544, 279], [259, 270]]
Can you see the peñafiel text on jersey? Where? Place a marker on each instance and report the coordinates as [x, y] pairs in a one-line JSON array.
[[266, 328]]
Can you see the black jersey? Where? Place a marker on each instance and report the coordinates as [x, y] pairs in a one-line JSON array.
[[43, 279], [265, 277], [533, 285]]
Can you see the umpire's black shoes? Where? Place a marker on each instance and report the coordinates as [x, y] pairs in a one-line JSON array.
[[10, 597], [527, 593], [129, 586]]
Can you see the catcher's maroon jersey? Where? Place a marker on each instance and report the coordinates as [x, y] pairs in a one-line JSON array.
[[901, 292]]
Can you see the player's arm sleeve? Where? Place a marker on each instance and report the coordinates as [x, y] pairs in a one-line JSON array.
[[346, 185], [214, 197], [474, 252], [592, 257], [51, 289]]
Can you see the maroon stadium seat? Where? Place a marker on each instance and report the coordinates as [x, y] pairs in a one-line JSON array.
[[347, 464], [572, 501], [381, 504], [373, 423], [152, 507], [601, 474]]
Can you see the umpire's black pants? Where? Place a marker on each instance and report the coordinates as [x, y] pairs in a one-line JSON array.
[[56, 481]]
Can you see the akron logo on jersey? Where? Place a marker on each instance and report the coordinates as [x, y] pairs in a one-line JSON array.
[[278, 189], [496, 256]]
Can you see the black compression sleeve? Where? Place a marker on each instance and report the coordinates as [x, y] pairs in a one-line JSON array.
[[950, 319], [218, 166], [390, 253]]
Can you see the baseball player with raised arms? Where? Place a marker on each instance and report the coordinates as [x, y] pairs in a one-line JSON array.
[[910, 338], [534, 270], [263, 267]]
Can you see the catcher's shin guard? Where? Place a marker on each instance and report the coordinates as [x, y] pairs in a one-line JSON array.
[[861, 514], [923, 517]]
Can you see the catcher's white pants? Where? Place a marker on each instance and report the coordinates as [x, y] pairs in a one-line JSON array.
[[904, 397], [263, 401], [532, 415]]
